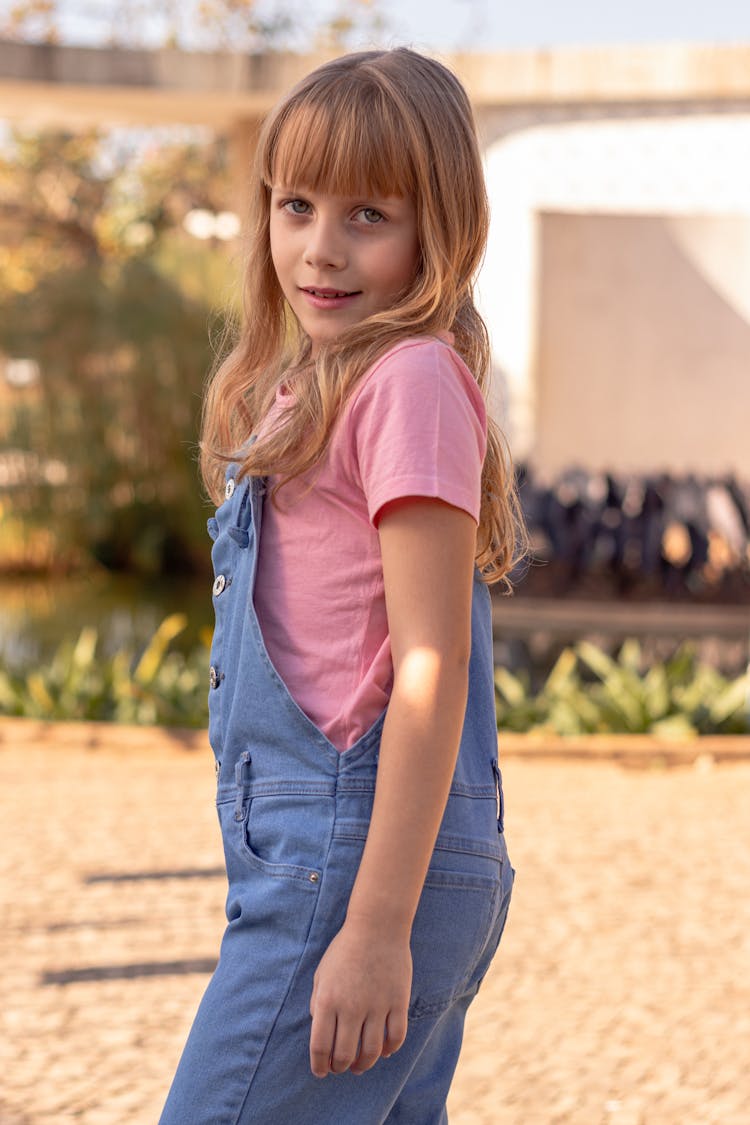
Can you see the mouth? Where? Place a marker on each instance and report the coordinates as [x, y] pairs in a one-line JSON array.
[[329, 294]]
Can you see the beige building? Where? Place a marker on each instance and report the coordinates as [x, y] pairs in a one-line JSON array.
[[617, 279]]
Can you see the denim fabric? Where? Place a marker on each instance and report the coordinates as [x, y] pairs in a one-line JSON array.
[[294, 813]]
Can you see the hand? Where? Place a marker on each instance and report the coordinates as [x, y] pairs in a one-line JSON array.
[[359, 1001]]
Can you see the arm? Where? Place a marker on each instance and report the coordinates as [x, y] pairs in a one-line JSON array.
[[363, 982]]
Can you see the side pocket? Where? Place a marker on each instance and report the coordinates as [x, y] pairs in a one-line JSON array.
[[509, 876], [310, 876], [457, 918], [451, 930], [280, 834]]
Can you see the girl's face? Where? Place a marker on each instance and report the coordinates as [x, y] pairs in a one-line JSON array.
[[340, 259]]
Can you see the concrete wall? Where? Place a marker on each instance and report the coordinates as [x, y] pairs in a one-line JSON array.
[[643, 343], [619, 262]]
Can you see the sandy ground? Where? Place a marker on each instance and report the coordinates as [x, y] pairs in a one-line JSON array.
[[620, 995]]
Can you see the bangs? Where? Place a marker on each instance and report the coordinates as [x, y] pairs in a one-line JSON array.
[[342, 141]]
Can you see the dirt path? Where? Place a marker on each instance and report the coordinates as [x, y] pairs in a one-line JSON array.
[[621, 994]]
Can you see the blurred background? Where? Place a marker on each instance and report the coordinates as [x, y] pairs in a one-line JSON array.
[[616, 289]]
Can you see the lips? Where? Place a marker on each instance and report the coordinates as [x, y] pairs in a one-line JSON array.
[[329, 293]]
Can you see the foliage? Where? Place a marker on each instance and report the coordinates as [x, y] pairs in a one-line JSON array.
[[589, 692], [123, 363], [677, 699], [106, 293], [156, 686], [208, 25]]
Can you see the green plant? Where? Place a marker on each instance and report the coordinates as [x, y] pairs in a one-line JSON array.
[[589, 692], [156, 686]]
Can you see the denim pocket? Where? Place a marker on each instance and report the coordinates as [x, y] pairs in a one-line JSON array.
[[452, 928], [498, 926], [281, 836], [456, 916]]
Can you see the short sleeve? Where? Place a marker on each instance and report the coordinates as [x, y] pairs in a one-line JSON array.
[[418, 427]]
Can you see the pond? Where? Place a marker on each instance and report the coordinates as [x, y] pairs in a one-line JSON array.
[[36, 615]]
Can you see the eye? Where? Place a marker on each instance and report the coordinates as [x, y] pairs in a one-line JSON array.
[[370, 216], [296, 206]]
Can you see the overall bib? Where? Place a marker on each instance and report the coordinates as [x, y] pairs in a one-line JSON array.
[[294, 814]]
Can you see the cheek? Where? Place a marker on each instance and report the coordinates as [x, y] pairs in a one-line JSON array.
[[282, 269], [275, 256], [400, 264], [409, 264], [279, 246]]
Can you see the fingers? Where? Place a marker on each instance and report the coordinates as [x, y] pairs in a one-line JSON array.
[[338, 1044], [395, 1031], [370, 1046], [346, 1043], [334, 1042], [322, 1037]]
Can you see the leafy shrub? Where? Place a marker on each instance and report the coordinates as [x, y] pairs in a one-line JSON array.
[[589, 692], [158, 686]]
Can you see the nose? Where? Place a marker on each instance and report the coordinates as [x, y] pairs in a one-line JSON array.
[[325, 247]]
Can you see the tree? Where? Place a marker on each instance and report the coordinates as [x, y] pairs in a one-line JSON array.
[[109, 298], [209, 25], [115, 303]]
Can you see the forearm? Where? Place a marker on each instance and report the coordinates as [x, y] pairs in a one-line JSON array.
[[362, 985], [418, 752]]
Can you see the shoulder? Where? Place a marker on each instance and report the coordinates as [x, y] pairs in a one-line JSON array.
[[419, 370], [418, 427]]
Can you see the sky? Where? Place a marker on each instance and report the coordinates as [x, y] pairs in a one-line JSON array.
[[498, 24]]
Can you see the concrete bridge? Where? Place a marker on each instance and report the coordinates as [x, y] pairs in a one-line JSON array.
[[617, 279]]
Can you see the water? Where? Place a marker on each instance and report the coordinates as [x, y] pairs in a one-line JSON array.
[[37, 615]]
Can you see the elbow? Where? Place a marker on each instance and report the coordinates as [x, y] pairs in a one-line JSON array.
[[456, 661], [426, 670]]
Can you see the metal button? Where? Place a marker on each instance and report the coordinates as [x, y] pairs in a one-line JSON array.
[[217, 767], [314, 877], [229, 488], [213, 677], [219, 584]]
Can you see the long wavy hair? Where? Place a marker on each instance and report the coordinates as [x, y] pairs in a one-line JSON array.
[[387, 122]]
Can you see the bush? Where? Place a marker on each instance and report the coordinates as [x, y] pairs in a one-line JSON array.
[[587, 692], [157, 686]]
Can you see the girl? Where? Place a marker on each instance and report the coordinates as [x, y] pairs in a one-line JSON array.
[[365, 503]]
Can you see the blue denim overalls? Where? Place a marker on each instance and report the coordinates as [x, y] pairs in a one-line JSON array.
[[294, 814]]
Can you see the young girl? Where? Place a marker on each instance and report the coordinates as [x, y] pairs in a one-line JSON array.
[[365, 504]]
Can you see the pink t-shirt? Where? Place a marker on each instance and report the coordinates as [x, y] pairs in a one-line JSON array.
[[414, 426]]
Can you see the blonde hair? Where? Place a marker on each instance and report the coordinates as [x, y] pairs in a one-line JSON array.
[[392, 123]]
